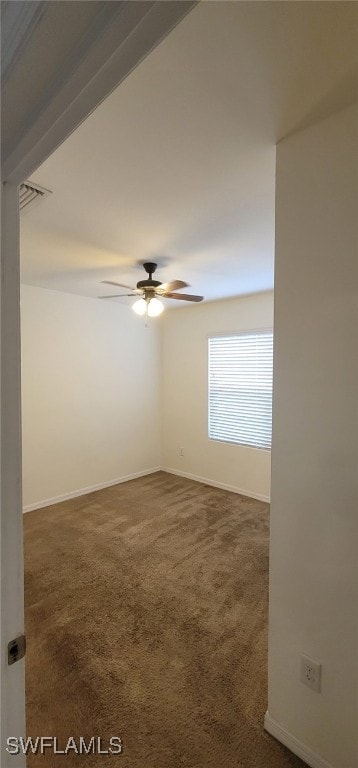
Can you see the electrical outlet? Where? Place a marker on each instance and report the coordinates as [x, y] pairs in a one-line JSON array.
[[311, 673]]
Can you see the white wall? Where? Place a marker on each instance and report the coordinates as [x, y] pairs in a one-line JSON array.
[[314, 521], [90, 393], [185, 394]]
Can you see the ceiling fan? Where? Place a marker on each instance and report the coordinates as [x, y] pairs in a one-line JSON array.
[[149, 290]]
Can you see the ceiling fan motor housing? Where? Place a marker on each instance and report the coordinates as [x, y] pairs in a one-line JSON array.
[[150, 268], [148, 284]]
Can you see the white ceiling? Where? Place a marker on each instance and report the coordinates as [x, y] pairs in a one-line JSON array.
[[178, 164]]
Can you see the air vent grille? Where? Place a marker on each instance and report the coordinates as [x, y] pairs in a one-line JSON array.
[[29, 193]]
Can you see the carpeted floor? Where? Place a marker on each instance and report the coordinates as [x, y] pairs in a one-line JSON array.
[[146, 618]]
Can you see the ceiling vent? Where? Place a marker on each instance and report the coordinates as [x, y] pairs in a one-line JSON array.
[[31, 193]]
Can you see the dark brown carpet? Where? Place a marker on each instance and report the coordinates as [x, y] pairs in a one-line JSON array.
[[146, 617]]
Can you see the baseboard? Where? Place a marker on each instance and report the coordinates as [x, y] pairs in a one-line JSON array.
[[90, 489], [133, 476], [294, 745], [223, 486]]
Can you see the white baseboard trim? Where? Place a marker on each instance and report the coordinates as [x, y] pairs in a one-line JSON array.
[[294, 745], [133, 476], [223, 486], [90, 489]]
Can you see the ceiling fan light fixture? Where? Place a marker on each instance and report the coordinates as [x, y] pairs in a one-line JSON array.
[[155, 307], [140, 307]]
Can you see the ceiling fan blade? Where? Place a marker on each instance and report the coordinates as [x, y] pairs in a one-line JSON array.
[[118, 285], [117, 295], [181, 296], [173, 286]]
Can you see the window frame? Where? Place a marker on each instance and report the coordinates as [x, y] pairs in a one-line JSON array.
[[226, 334]]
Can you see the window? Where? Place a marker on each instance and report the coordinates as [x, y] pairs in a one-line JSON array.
[[240, 388]]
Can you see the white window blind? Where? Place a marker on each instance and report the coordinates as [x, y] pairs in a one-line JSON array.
[[240, 388]]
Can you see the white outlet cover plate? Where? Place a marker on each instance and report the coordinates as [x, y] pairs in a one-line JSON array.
[[311, 673]]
